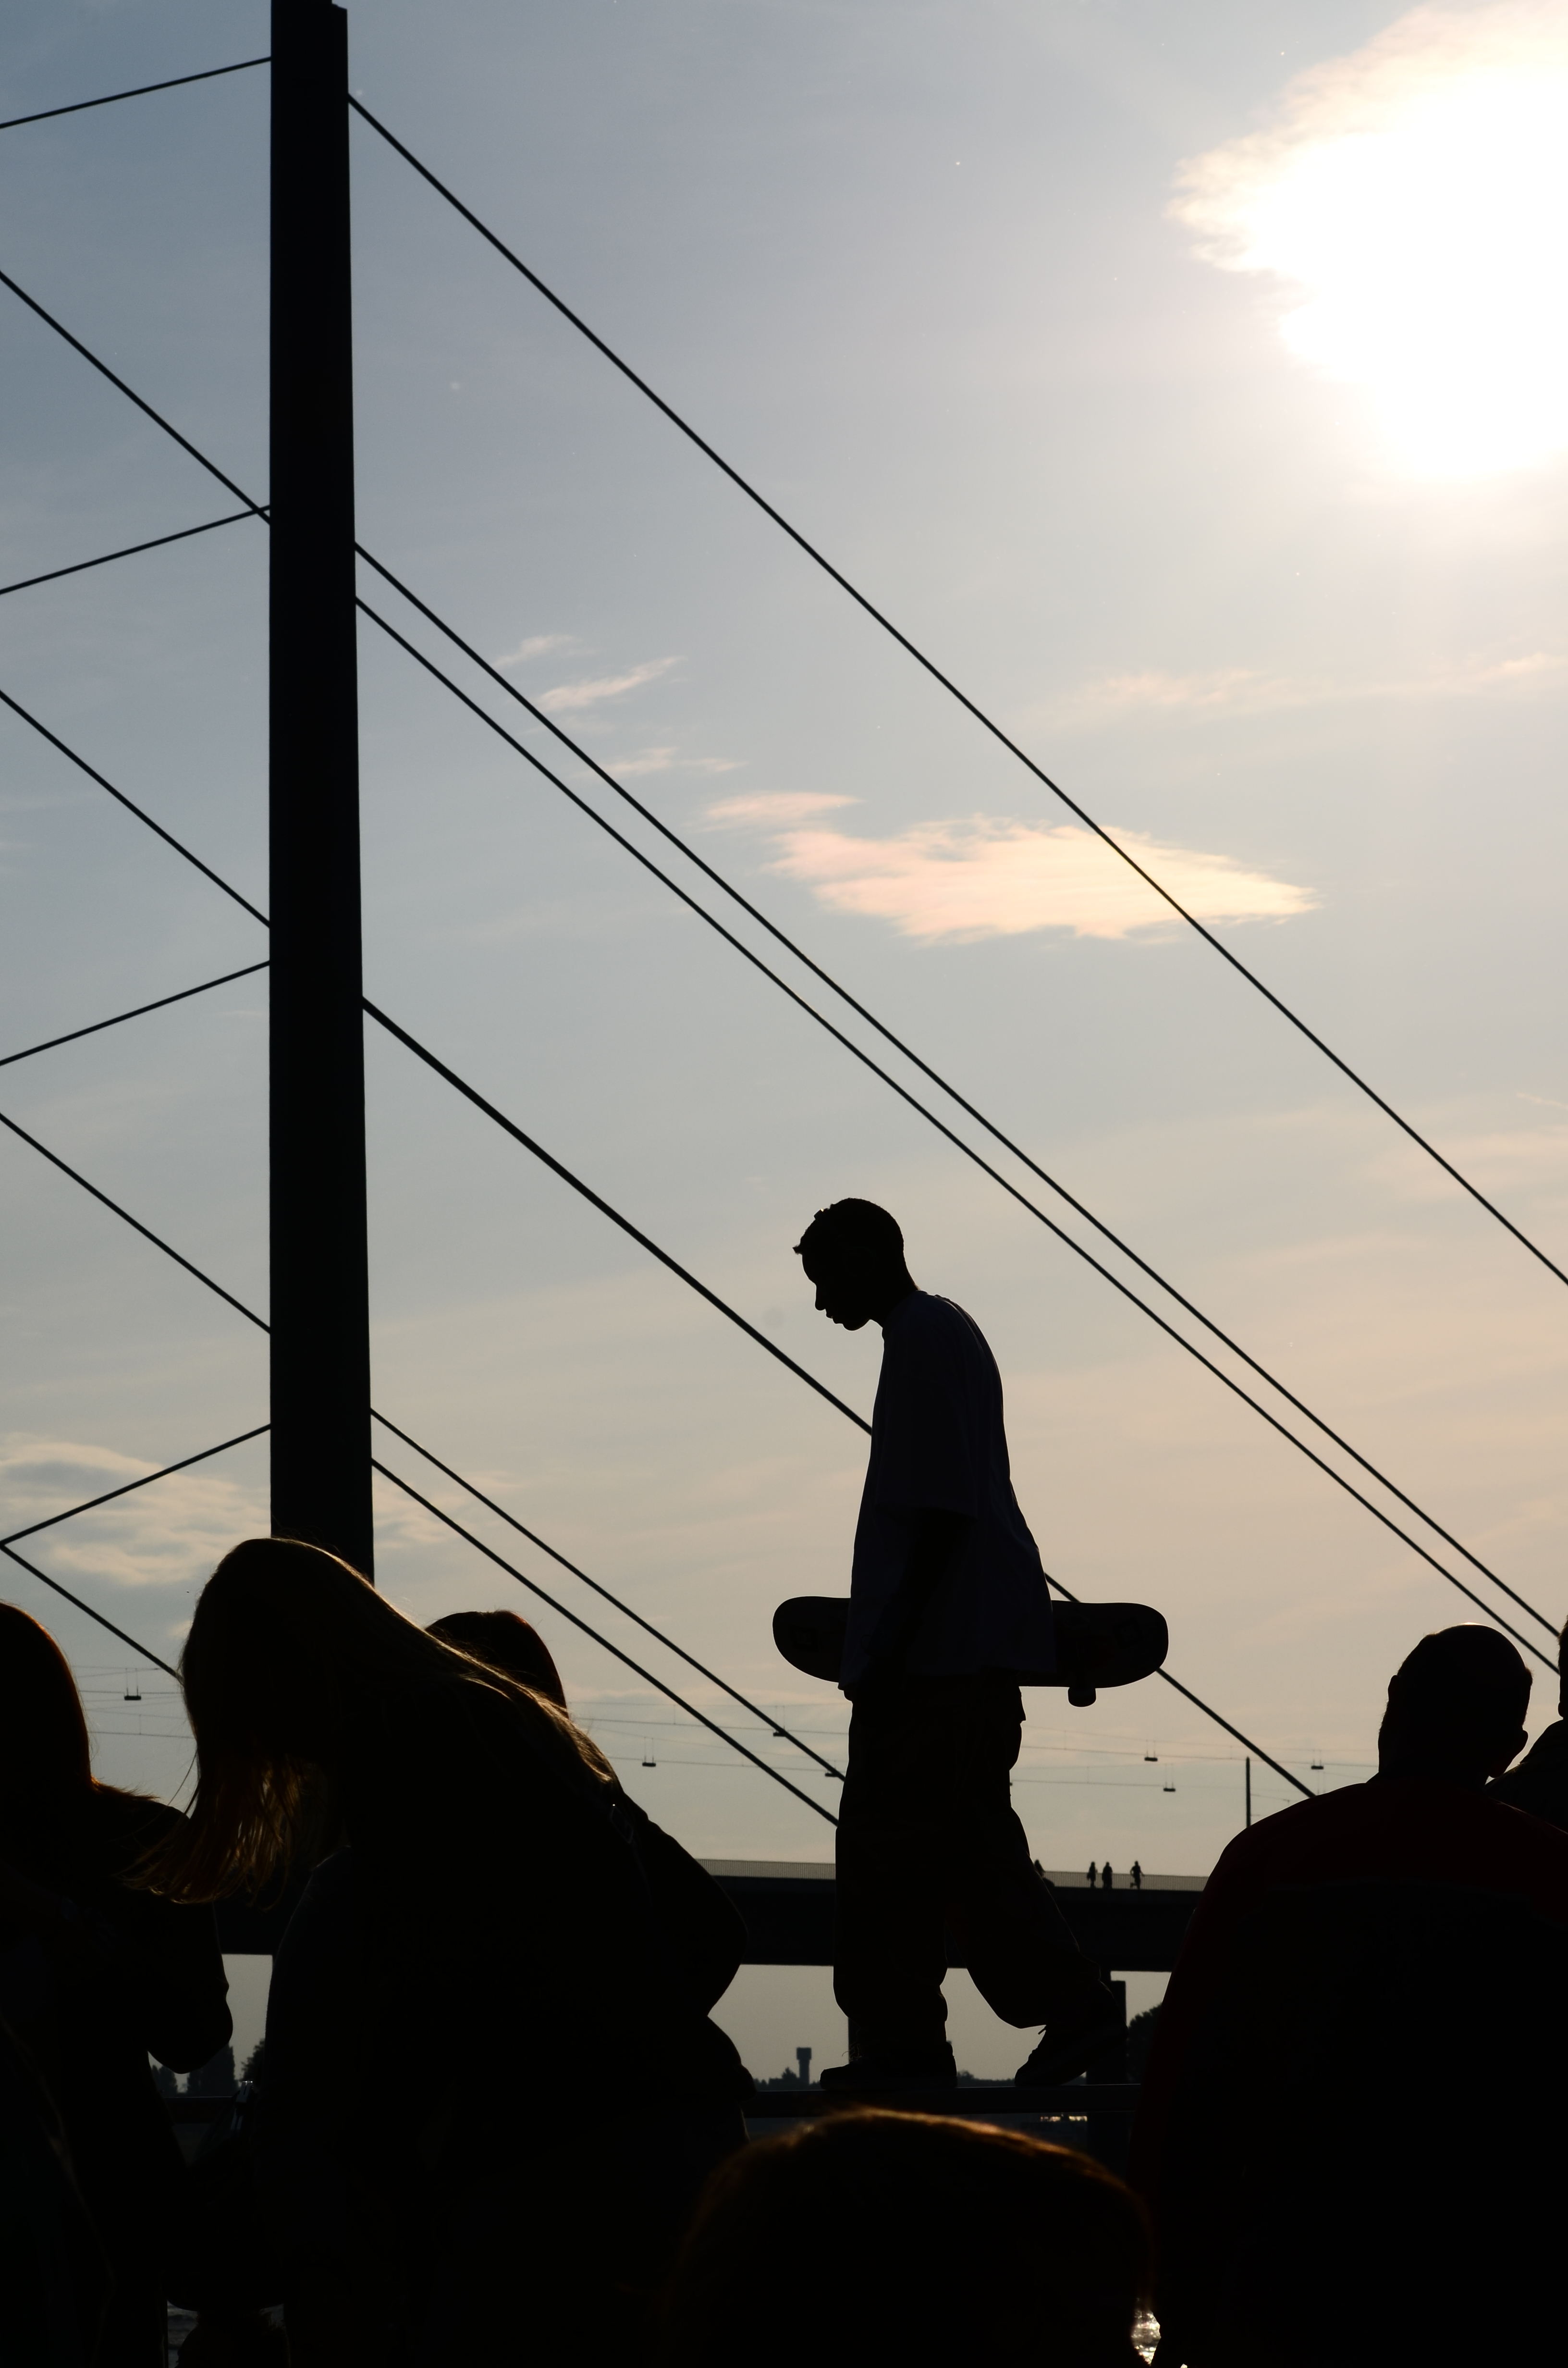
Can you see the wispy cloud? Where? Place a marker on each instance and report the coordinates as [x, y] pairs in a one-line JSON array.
[[988, 876], [566, 698], [1411, 196], [670, 760], [538, 645], [167, 1534], [776, 806], [1239, 690]]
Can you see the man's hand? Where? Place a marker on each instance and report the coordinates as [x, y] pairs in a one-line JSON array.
[[938, 1542]]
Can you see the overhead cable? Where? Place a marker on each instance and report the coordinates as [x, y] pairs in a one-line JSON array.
[[470, 1093], [668, 1691], [112, 98], [138, 1011], [148, 1235], [141, 1651], [128, 551], [130, 804], [970, 705], [259, 510], [1024, 1201], [135, 1222], [130, 394], [781, 938], [158, 1243], [669, 1642], [92, 1503], [1255, 1749]]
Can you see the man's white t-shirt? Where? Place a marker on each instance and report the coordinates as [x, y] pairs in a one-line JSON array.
[[937, 1443]]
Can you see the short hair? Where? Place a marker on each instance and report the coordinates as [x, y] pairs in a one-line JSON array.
[[1464, 1686], [503, 1640], [915, 2236], [852, 1228]]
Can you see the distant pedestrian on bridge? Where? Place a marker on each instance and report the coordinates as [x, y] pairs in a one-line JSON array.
[[947, 1603]]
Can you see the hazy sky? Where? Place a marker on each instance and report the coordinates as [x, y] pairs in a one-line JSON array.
[[1192, 385]]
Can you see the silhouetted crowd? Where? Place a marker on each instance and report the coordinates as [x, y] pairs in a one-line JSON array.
[[1347, 2150]]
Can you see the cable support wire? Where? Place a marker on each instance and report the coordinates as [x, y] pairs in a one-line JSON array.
[[261, 1325], [983, 1165], [259, 511], [951, 688], [112, 98], [887, 1035], [534, 1588], [470, 1093], [128, 551], [669, 1642], [138, 1011], [614, 1650], [132, 807], [92, 1503], [142, 1651]]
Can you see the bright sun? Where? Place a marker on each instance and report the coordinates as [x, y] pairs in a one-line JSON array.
[[1415, 195]]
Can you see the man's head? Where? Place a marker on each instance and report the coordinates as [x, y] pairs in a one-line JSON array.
[[1456, 1708], [853, 1252]]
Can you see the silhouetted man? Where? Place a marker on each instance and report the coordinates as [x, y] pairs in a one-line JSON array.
[[1539, 1783], [948, 1602], [1352, 2110]]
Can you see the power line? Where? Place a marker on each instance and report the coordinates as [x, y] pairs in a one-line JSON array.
[[470, 1093], [1215, 1329], [970, 705], [135, 1222], [175, 82], [534, 1588], [1257, 1748], [129, 550], [147, 1481], [1117, 1284], [218, 1288], [43, 1576], [1105, 1230], [555, 1555], [130, 804], [131, 396], [1024, 1201], [137, 1012]]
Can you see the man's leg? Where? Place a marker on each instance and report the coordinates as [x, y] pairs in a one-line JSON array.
[[889, 1956], [1018, 1948]]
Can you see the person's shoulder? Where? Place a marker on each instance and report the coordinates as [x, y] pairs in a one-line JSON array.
[[131, 1816], [927, 1321]]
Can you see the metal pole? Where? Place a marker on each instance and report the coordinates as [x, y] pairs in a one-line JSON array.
[[1249, 1791], [321, 1360]]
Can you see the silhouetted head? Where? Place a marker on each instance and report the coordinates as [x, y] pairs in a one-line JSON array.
[[853, 1252], [290, 1660], [907, 2237], [1455, 1708], [503, 1641], [44, 1753]]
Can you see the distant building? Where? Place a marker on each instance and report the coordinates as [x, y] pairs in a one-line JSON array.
[[166, 2082], [798, 2080]]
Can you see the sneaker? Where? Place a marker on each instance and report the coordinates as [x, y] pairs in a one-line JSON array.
[[894, 2067], [1067, 2048]]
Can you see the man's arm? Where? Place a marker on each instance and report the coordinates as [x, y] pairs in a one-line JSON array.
[[937, 1542]]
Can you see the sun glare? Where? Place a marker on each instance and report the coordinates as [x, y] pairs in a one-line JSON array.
[[1415, 196]]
